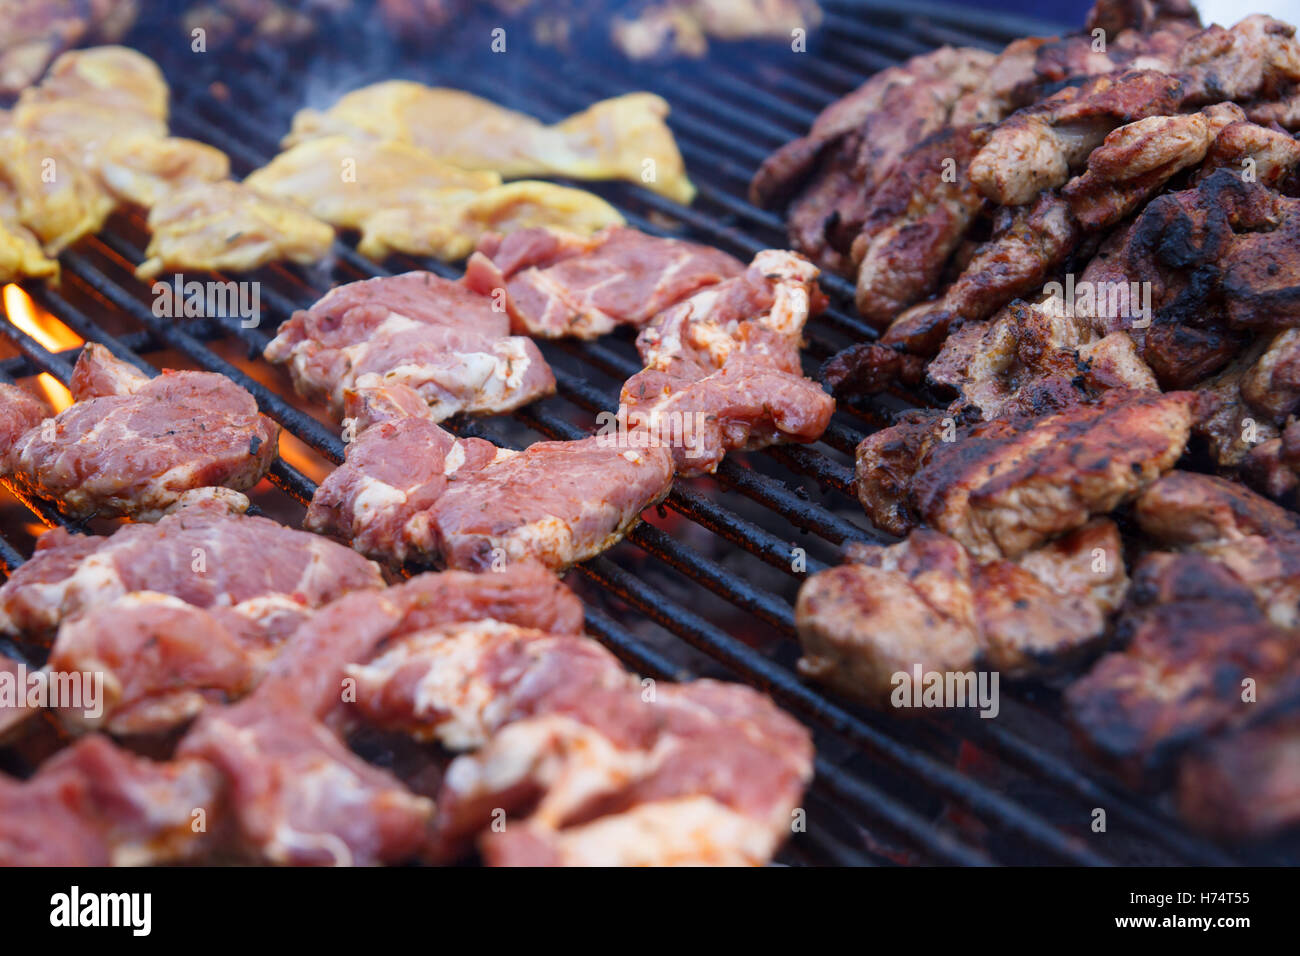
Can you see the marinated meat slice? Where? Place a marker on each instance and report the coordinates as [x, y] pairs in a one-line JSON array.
[[137, 449], [611, 139], [437, 336], [162, 660], [1137, 159], [1261, 273], [20, 411], [1115, 16], [1231, 428], [1029, 245], [228, 227], [1198, 641], [94, 804], [203, 554], [564, 737], [683, 26], [394, 471], [1252, 60], [723, 371], [1006, 486], [1272, 385], [299, 796], [559, 502], [1039, 146], [925, 603], [916, 219], [561, 286], [1242, 784], [402, 199]]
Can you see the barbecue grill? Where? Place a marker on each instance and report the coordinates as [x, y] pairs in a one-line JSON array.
[[706, 585]]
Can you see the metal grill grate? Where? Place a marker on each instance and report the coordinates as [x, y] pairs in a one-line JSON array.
[[707, 585]]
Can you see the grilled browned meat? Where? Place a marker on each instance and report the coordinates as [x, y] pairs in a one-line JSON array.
[[926, 603], [132, 445], [1004, 486], [1254, 59]]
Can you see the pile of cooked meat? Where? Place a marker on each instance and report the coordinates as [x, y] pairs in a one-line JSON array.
[[1108, 497], [254, 668]]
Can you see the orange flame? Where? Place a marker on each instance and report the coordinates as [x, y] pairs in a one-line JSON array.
[[48, 331]]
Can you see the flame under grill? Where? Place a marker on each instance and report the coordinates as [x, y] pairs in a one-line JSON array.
[[707, 585]]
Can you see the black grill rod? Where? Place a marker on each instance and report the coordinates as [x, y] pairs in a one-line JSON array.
[[20, 366], [783, 686], [864, 796], [302, 425], [1048, 766]]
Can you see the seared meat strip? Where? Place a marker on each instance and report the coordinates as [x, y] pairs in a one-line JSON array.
[[700, 773], [94, 804], [559, 285], [1272, 158], [1038, 147], [437, 336], [1028, 246], [1004, 486], [410, 489], [924, 602], [20, 411], [916, 219], [132, 445], [723, 371], [1252, 60], [202, 553]]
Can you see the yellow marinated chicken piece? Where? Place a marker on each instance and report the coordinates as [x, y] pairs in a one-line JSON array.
[[20, 253], [228, 227], [144, 170], [404, 200], [620, 138], [54, 196]]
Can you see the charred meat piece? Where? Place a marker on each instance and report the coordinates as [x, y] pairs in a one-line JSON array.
[[886, 462], [416, 329], [1197, 637], [559, 285], [1034, 360], [1272, 158], [868, 368], [132, 445], [562, 735], [203, 554], [94, 804], [1004, 486], [1252, 60], [1038, 147], [926, 603], [1241, 784], [723, 371], [832, 173], [916, 219], [1137, 159], [1029, 244]]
